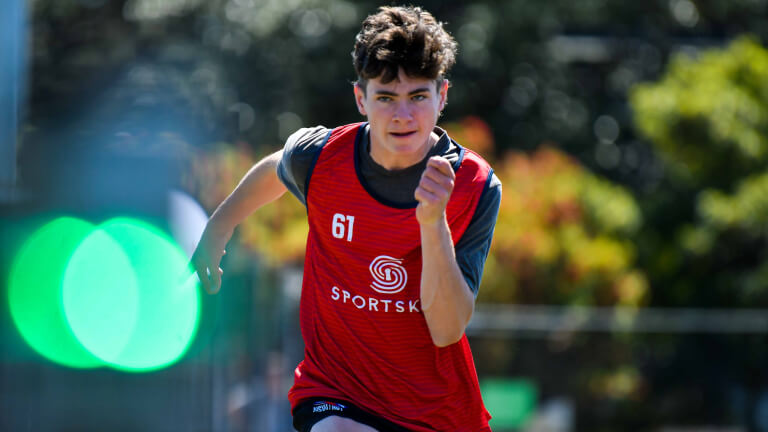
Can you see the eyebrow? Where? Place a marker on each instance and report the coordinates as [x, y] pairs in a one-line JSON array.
[[412, 92]]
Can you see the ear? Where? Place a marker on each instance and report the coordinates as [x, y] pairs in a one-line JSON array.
[[359, 99], [444, 94]]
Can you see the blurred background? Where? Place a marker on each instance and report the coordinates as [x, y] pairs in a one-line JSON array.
[[627, 285]]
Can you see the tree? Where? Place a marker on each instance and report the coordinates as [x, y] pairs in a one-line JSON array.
[[562, 236], [708, 120]]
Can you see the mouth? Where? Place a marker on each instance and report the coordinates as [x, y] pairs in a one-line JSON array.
[[402, 134]]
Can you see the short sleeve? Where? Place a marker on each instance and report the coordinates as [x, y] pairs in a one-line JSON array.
[[472, 248], [299, 155]]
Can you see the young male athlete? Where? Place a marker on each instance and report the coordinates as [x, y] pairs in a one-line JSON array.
[[400, 222]]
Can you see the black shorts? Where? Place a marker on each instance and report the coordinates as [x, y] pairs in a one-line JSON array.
[[312, 410]]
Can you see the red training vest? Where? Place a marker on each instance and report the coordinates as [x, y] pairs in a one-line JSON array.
[[365, 335]]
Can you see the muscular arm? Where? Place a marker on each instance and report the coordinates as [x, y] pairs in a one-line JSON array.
[[446, 300], [258, 187]]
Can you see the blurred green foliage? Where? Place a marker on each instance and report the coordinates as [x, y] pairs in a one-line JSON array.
[[708, 119], [708, 112], [745, 209]]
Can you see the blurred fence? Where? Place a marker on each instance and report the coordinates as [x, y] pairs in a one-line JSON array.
[[509, 320]]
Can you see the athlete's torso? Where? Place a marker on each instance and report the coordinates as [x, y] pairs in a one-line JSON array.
[[365, 335]]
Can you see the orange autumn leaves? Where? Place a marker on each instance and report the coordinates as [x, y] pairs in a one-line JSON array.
[[563, 235]]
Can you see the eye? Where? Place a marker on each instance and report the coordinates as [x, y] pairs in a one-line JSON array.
[[419, 97], [384, 99]]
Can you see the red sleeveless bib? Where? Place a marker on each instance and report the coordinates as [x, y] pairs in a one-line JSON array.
[[366, 338]]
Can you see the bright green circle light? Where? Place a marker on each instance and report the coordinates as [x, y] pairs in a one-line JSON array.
[[101, 296], [34, 292], [137, 312]]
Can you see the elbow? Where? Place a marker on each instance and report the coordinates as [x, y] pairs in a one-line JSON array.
[[448, 332], [442, 342], [442, 339]]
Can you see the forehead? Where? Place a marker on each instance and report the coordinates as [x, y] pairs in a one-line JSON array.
[[402, 84]]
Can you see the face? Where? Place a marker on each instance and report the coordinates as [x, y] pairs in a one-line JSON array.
[[402, 115]]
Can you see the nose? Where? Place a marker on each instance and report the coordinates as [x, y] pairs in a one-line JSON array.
[[402, 111]]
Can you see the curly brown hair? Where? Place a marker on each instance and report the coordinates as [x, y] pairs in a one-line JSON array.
[[407, 37]]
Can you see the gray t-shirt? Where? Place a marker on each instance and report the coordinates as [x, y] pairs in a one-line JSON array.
[[396, 188]]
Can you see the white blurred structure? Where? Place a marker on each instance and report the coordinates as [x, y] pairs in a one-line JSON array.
[[554, 415], [187, 220]]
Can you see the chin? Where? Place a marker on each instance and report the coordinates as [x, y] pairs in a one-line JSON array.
[[412, 143], [406, 148]]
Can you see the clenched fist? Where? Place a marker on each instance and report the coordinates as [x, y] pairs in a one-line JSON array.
[[434, 190]]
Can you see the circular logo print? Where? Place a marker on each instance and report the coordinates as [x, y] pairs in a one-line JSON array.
[[389, 276]]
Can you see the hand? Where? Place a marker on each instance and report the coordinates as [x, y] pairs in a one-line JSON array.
[[434, 190], [207, 257]]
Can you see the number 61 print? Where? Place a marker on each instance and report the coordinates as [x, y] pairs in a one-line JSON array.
[[339, 227]]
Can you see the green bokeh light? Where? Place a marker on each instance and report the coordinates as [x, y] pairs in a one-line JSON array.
[[113, 295], [141, 332], [101, 296], [34, 292]]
